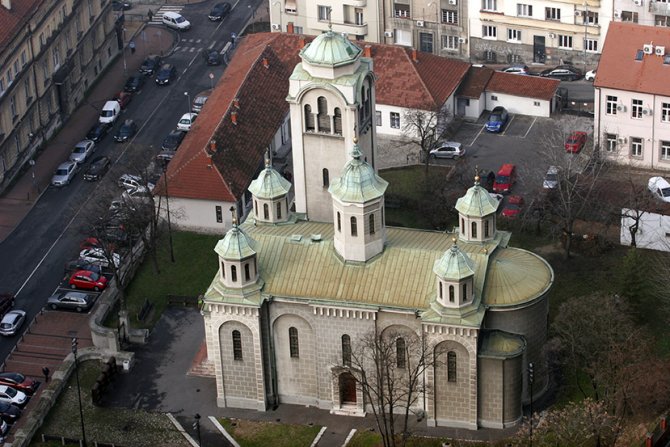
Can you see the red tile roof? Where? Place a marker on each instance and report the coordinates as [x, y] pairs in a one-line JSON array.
[[523, 85], [12, 20], [475, 82], [618, 68]]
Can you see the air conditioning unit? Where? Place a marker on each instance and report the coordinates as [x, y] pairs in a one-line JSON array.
[[276, 26], [660, 51], [388, 33], [621, 141], [462, 40], [552, 35], [648, 48], [621, 108], [419, 23], [646, 112], [638, 2], [453, 2], [578, 13], [617, 15]]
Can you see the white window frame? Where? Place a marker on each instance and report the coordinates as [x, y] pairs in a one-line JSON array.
[[323, 13], [611, 104], [665, 112], [611, 142], [489, 5], [664, 151], [564, 41], [591, 45], [395, 120], [449, 16], [489, 32], [552, 14], [636, 147], [524, 10], [513, 35], [450, 42], [636, 109]]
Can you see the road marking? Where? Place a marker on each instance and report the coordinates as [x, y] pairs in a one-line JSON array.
[[509, 123], [198, 41], [476, 136], [530, 127], [191, 50], [211, 45]]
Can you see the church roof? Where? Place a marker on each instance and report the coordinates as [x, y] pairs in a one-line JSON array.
[[477, 202], [235, 245], [453, 265], [359, 182], [269, 184], [330, 49]]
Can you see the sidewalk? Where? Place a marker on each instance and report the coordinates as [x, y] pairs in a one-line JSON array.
[[19, 199]]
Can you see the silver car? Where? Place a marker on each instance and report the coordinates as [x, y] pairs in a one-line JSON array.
[[78, 301], [82, 151], [64, 173], [448, 149], [12, 321]]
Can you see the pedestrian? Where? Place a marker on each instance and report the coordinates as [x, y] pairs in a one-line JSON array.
[[131, 45], [150, 14], [45, 371]]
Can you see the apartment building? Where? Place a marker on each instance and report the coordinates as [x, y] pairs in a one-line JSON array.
[[644, 12], [50, 53]]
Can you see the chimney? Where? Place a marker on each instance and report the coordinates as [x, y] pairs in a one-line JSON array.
[[290, 29], [367, 51], [301, 41], [266, 63], [233, 117], [415, 54], [212, 148], [236, 103], [7, 4]]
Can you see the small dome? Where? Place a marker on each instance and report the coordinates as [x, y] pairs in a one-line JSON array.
[[359, 182], [477, 202], [454, 265], [269, 184], [235, 245], [330, 49]]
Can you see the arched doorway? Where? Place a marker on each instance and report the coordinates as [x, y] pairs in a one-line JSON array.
[[347, 388]]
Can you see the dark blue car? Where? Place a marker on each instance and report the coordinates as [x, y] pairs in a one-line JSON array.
[[497, 119]]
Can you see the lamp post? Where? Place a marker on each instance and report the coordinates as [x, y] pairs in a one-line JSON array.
[[211, 81], [188, 102], [530, 383], [196, 427], [167, 206], [32, 165], [253, 18], [76, 373]]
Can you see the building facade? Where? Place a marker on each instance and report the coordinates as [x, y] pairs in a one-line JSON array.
[[50, 54]]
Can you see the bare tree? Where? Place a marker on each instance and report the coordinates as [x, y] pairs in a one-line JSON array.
[[425, 127], [389, 369]]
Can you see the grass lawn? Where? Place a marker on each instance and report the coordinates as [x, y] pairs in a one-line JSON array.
[[263, 434], [119, 426], [373, 439]]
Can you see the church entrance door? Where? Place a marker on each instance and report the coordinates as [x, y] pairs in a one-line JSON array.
[[347, 389]]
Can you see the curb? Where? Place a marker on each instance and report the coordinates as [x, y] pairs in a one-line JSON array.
[[223, 431], [181, 430]]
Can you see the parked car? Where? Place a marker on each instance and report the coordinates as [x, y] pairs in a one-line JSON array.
[[513, 207], [212, 57], [563, 73], [82, 151], [126, 131], [4, 427], [590, 75], [80, 264], [78, 301], [98, 167], [505, 178], [575, 142], [173, 140], [130, 182], [123, 98], [497, 119], [447, 149], [219, 11], [150, 65], [12, 322], [12, 396], [120, 6], [166, 73], [176, 21], [516, 69], [660, 188], [199, 102], [6, 302], [551, 178], [9, 413], [98, 256], [97, 132], [134, 83], [64, 173], [186, 121], [19, 382], [90, 242], [83, 279], [110, 112]]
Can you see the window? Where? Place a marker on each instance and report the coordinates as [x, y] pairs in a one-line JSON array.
[[590, 17], [536, 103], [297, 29], [233, 273], [636, 147], [256, 208], [378, 118], [450, 17], [463, 226], [324, 13], [489, 31], [219, 214], [514, 35], [665, 112], [322, 116], [450, 42], [489, 5], [451, 366], [12, 107], [278, 210], [346, 350], [339, 221], [474, 229], [266, 211], [591, 45], [325, 178], [662, 20], [486, 228], [440, 284], [247, 274], [337, 121], [401, 10], [426, 42], [564, 41], [359, 16], [452, 294], [371, 222], [636, 109], [628, 16], [56, 56], [293, 342], [354, 226], [552, 13], [400, 350], [309, 119], [237, 345], [610, 108], [395, 120], [465, 291], [524, 10], [665, 150], [610, 142]]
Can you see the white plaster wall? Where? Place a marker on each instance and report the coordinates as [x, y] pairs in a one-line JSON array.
[[198, 215], [517, 104], [654, 231]]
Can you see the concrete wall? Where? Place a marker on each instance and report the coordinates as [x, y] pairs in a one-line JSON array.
[[490, 392], [517, 104], [198, 215]]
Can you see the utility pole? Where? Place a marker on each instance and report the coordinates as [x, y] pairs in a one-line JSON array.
[[530, 382]]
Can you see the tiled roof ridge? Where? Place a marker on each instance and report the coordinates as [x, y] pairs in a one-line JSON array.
[[418, 75]]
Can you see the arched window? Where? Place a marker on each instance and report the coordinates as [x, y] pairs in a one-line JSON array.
[[451, 366], [266, 211], [400, 352], [247, 273], [371, 222], [339, 222], [223, 270], [354, 227], [278, 210], [451, 294], [309, 118], [474, 229], [465, 291], [337, 121], [233, 273], [486, 228], [322, 116], [346, 350], [463, 226], [326, 178], [293, 342], [256, 207], [237, 345], [440, 283]]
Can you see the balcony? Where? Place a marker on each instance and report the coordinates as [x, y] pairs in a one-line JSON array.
[[356, 3], [659, 8], [351, 28]]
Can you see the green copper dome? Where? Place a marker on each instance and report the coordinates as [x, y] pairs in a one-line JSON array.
[[477, 202], [270, 184], [235, 245], [330, 49], [454, 265], [359, 183]]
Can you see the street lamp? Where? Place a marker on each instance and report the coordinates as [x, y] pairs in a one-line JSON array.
[[531, 372], [35, 186], [253, 18], [188, 102], [76, 372], [167, 206], [196, 427]]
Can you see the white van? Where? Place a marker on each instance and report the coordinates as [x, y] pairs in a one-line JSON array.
[[110, 112], [176, 21]]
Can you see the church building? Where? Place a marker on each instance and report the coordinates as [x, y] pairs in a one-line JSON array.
[[314, 268]]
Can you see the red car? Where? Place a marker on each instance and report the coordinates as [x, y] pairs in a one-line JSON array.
[[575, 142], [83, 279], [19, 382], [513, 206], [123, 98]]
